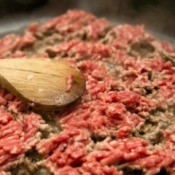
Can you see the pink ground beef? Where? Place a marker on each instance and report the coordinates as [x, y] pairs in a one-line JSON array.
[[124, 122], [69, 82]]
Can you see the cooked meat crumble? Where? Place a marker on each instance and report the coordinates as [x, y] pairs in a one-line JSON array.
[[123, 124]]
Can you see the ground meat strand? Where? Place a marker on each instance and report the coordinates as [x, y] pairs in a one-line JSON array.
[[69, 83]]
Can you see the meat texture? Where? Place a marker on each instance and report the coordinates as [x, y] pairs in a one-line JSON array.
[[124, 122]]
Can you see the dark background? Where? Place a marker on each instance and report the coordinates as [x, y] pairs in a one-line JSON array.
[[157, 15]]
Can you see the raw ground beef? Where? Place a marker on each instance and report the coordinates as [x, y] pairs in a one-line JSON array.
[[124, 123]]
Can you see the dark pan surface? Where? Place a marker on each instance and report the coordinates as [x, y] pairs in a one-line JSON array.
[[158, 16]]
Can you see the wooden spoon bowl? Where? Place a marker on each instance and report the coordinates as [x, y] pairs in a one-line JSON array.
[[43, 83]]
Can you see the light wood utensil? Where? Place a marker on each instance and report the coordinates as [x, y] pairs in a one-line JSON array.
[[45, 84]]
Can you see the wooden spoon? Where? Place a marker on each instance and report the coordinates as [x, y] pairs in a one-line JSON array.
[[46, 84]]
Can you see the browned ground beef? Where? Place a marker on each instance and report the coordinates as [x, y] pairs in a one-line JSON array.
[[124, 123]]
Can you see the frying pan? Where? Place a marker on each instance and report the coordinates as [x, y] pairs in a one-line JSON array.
[[156, 15]]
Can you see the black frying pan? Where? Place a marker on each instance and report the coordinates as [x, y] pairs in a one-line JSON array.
[[157, 15]]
